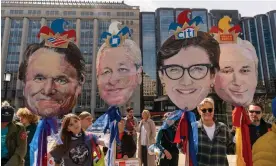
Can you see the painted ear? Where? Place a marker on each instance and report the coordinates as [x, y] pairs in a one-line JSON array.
[[81, 82], [139, 73], [160, 74]]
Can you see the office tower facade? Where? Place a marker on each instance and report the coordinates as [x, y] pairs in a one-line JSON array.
[[148, 49]]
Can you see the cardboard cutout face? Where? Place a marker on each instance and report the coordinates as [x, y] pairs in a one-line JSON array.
[[118, 76], [237, 79], [187, 88], [118, 73], [51, 83]]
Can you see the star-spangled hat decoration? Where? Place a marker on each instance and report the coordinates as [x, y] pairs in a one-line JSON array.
[[224, 32], [56, 36], [115, 37], [185, 28]]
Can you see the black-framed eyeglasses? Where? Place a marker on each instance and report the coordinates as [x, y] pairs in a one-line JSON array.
[[256, 112], [197, 71], [204, 110]]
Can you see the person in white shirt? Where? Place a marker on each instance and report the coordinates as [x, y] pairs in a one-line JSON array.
[[214, 138]]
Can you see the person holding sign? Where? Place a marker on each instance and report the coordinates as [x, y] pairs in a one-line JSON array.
[[187, 64], [119, 68], [236, 81]]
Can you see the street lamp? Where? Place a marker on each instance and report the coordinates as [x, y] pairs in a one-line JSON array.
[[7, 79]]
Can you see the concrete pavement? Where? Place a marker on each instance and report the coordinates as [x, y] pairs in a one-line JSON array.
[[231, 160]]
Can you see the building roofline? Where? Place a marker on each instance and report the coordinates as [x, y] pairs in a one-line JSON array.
[[164, 8], [147, 12], [259, 15], [199, 9], [224, 10], [272, 11], [65, 3], [246, 18]]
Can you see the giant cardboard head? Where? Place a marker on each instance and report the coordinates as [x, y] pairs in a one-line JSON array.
[[119, 66], [188, 61], [237, 79], [52, 72]]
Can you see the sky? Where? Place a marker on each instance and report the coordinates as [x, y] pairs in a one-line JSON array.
[[246, 8]]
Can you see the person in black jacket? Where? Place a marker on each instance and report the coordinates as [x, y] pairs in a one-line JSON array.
[[258, 127], [127, 148], [165, 138]]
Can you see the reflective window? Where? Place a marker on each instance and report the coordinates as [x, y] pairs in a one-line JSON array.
[[34, 27], [166, 18], [2, 29], [255, 43], [86, 47], [14, 43], [149, 54], [268, 47]]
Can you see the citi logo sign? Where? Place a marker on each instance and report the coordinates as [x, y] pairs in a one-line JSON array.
[[187, 33]]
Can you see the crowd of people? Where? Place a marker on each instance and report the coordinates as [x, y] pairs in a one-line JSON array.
[[215, 139]]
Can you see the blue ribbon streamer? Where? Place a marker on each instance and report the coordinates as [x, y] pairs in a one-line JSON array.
[[38, 146], [193, 136], [274, 107], [109, 121], [114, 116]]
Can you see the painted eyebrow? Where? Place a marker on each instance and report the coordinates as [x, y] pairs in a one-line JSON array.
[[61, 76], [39, 74], [227, 67], [107, 68], [122, 64], [246, 67]]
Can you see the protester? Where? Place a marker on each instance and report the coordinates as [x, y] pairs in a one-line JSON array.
[[214, 138], [77, 145], [131, 124], [258, 127], [86, 120], [146, 138], [165, 140], [264, 149], [13, 138], [29, 120], [127, 148]]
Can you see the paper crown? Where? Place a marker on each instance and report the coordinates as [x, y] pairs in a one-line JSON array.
[[115, 37], [224, 32], [185, 28], [56, 36]]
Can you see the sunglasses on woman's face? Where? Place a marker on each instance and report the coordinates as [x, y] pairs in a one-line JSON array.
[[204, 110]]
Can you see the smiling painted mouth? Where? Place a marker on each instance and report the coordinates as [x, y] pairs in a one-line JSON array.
[[51, 100], [237, 92], [114, 90], [186, 91]]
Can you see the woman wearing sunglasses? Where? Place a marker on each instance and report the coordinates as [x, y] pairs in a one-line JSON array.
[[214, 138]]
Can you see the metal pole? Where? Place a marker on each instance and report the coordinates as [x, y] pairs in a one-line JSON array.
[[6, 90]]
